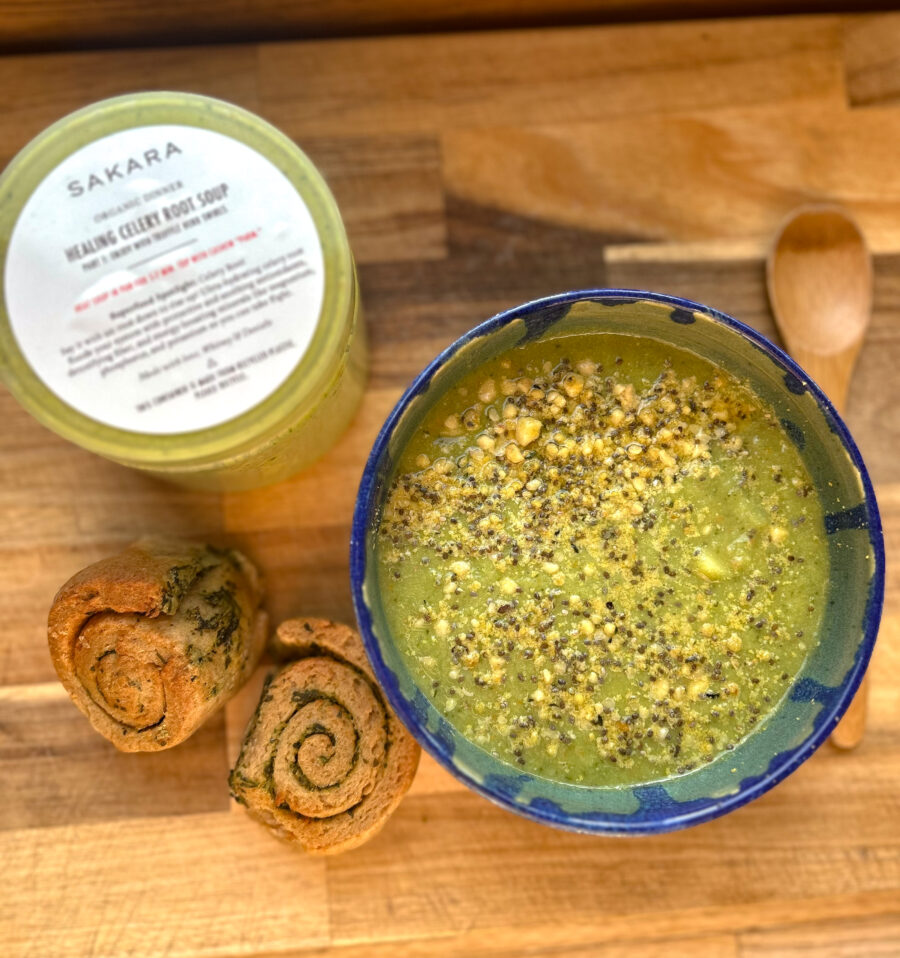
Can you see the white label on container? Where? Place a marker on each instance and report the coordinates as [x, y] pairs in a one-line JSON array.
[[164, 279]]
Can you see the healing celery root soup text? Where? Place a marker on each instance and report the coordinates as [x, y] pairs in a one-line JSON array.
[[603, 559]]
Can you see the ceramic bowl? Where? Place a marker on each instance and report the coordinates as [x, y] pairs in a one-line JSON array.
[[823, 689]]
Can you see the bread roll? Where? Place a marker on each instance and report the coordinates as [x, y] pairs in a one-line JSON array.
[[150, 642], [324, 761]]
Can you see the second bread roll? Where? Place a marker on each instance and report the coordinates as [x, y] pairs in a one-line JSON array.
[[324, 761]]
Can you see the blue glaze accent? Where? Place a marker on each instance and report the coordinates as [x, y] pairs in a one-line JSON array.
[[653, 803], [538, 322], [508, 785], [683, 316], [445, 734], [387, 467], [613, 301], [655, 799], [804, 718], [795, 433], [809, 690], [419, 705], [545, 809], [855, 518], [794, 383], [834, 422]]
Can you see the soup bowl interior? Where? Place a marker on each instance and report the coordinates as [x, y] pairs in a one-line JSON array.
[[833, 669]]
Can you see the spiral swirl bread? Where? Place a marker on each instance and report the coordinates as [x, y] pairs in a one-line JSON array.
[[324, 761], [150, 642]]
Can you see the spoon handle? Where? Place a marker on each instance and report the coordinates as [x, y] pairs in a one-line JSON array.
[[832, 374]]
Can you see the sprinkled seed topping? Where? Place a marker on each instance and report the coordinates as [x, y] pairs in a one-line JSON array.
[[602, 560]]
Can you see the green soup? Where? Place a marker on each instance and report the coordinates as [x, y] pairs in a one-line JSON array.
[[603, 559]]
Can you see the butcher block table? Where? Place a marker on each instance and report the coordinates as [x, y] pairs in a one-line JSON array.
[[475, 171]]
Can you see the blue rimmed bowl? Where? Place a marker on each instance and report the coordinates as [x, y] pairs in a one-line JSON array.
[[831, 674]]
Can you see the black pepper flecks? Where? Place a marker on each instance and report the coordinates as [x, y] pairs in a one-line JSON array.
[[596, 553]]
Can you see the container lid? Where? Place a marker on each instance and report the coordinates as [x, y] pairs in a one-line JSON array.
[[176, 282]]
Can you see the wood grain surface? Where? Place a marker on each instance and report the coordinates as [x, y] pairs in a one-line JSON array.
[[474, 172]]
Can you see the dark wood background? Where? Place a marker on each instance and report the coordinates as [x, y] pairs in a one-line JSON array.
[[41, 25]]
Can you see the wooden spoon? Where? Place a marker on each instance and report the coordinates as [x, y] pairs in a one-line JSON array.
[[820, 287]]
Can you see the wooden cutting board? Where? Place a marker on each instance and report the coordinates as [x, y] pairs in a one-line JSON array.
[[474, 172]]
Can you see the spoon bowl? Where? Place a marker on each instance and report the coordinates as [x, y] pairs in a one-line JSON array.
[[820, 287]]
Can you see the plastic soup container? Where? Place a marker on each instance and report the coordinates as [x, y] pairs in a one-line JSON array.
[[178, 293]]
